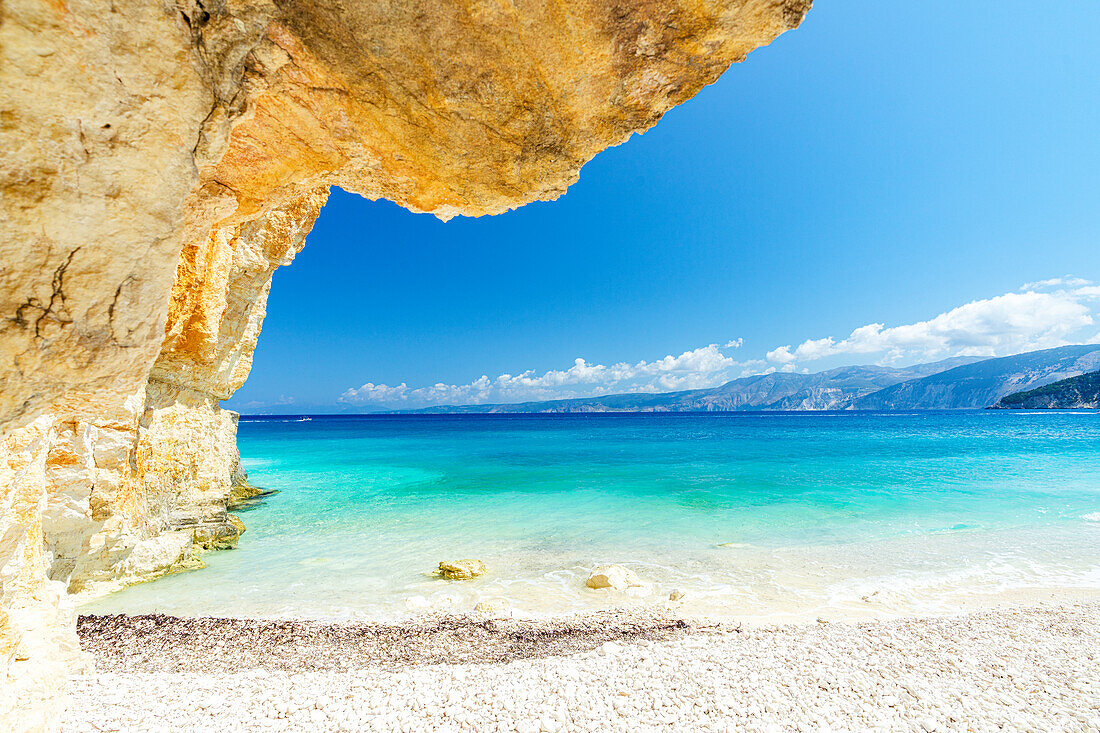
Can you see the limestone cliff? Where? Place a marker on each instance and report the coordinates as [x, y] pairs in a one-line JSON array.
[[160, 158]]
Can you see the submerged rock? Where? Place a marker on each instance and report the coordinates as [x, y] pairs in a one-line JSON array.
[[613, 576], [462, 569], [220, 536], [676, 595], [244, 496]]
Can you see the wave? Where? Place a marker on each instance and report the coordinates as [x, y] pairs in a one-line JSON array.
[[1056, 411], [275, 419]]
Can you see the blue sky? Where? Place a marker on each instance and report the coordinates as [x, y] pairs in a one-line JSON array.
[[885, 163]]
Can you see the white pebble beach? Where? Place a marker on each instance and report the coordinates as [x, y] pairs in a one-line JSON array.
[[1025, 669]]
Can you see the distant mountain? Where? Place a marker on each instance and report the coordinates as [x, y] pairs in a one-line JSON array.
[[985, 382], [1067, 394], [961, 382], [829, 390]]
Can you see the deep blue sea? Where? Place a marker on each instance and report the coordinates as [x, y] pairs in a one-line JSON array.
[[755, 515]]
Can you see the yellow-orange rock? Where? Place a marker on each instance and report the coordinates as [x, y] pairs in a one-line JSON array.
[[462, 569]]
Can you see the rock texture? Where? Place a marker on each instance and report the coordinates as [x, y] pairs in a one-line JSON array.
[[160, 158], [462, 569], [615, 577]]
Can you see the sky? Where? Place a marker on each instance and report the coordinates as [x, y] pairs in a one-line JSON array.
[[889, 183]]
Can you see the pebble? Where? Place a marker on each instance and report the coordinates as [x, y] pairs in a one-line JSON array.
[[910, 674]]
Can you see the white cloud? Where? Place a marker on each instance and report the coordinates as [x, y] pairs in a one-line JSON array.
[[1069, 281], [1006, 324], [1041, 315], [706, 366], [782, 355]]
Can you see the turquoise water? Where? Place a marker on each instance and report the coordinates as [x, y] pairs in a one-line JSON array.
[[770, 515]]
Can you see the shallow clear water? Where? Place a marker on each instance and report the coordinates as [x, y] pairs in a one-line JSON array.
[[779, 515]]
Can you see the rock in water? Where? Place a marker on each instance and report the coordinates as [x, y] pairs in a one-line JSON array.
[[219, 536], [613, 576], [462, 569], [676, 595]]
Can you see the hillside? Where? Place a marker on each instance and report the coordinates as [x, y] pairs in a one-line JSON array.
[[956, 383], [829, 390], [1073, 393], [983, 383]]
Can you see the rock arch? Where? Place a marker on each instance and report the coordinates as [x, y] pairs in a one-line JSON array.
[[160, 158]]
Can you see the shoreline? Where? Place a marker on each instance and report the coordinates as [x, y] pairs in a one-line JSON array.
[[881, 603], [1014, 667]]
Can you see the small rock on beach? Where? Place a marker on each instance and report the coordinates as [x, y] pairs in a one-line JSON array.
[[462, 569], [615, 577]]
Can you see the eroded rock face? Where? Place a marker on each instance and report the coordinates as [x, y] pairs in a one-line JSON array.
[[472, 107], [100, 112], [35, 614], [135, 492], [160, 158]]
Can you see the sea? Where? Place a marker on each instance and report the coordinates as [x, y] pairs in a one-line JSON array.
[[760, 516]]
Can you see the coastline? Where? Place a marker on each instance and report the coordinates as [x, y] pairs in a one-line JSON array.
[[1016, 667]]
